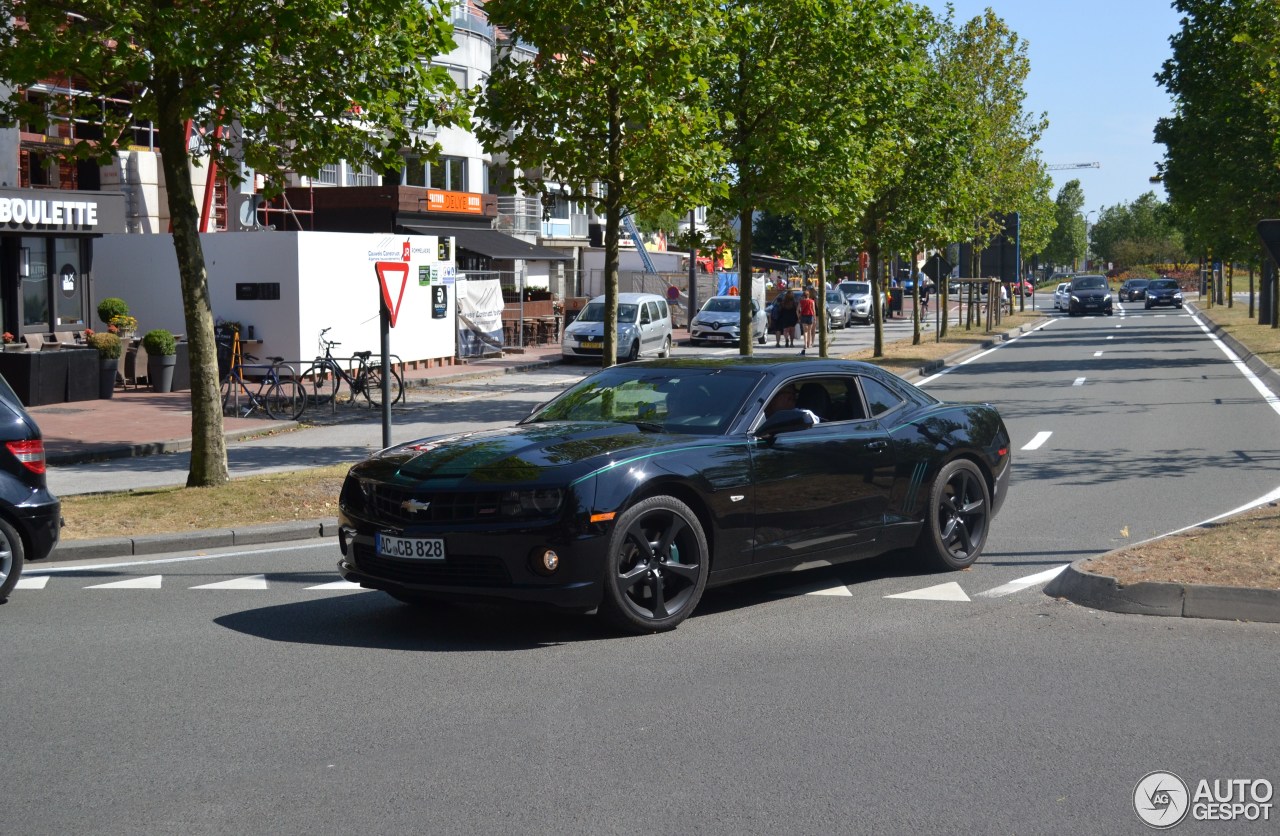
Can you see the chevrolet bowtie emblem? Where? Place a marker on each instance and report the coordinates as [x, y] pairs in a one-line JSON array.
[[413, 506]]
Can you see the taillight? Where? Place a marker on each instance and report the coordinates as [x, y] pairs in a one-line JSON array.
[[30, 453]]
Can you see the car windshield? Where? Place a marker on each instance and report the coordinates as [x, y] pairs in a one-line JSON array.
[[1138, 282], [1163, 284], [1063, 287], [594, 312], [1089, 283], [690, 400], [856, 289], [722, 304]]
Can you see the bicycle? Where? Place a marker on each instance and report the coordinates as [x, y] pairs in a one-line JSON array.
[[325, 376], [280, 397]]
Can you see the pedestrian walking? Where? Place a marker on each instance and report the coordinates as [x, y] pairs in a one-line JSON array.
[[808, 315], [785, 306]]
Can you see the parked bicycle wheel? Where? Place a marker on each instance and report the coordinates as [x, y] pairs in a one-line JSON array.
[[284, 399], [237, 402], [320, 385], [373, 386]]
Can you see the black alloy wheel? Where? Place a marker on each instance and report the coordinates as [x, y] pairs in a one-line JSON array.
[[658, 566], [958, 516]]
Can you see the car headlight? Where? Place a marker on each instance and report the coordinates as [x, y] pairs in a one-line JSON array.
[[1106, 298], [1075, 298], [1177, 296], [540, 502]]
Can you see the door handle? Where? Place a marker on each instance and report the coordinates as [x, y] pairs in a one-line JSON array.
[[878, 445]]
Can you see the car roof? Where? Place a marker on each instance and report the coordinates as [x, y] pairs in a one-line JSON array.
[[632, 298]]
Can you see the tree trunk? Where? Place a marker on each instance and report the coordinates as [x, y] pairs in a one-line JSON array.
[[873, 250], [745, 216], [208, 444], [822, 290], [612, 229]]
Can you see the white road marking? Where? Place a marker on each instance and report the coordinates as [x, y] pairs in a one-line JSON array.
[[950, 369], [147, 582], [38, 582], [949, 591], [1111, 337], [1097, 354], [1022, 583], [250, 582], [1079, 381], [76, 567], [340, 586], [840, 591], [1271, 399], [1038, 440]]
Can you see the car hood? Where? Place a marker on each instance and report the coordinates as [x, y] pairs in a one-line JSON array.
[[721, 318], [525, 453], [1090, 291], [592, 329]]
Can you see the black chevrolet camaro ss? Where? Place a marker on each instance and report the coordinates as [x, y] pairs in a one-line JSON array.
[[639, 486]]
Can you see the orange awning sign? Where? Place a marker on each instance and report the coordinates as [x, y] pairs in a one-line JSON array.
[[391, 273]]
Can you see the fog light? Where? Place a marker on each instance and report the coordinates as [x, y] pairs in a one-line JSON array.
[[546, 562]]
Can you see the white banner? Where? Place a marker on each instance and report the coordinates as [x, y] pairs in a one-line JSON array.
[[479, 317]]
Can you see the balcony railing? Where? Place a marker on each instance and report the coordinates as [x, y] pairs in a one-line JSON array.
[[519, 215], [464, 17]]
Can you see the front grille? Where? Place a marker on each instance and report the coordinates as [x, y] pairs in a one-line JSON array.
[[457, 570], [388, 505]]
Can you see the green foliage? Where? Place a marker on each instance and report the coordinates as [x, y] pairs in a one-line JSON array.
[[1067, 243], [614, 106], [160, 343], [112, 307], [107, 344], [1141, 232], [1222, 155]]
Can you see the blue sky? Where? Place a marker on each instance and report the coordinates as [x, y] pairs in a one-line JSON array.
[[1092, 71]]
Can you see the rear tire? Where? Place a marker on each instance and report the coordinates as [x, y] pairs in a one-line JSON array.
[[320, 386], [666, 348], [373, 387], [285, 400], [11, 559]]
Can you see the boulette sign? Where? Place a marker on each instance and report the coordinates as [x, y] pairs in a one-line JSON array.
[[67, 211]]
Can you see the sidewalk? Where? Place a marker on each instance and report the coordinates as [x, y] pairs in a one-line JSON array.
[[138, 422]]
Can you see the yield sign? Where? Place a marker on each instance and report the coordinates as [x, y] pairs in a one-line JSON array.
[[389, 272]]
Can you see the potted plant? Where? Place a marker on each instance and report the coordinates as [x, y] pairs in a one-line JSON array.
[[114, 313], [162, 356], [109, 348], [9, 343]]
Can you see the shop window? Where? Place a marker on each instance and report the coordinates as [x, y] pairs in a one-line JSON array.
[[35, 284]]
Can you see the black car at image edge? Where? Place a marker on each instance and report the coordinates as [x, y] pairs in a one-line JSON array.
[[30, 516], [638, 487]]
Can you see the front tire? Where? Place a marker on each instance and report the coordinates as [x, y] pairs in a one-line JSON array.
[[373, 387], [634, 354], [957, 517], [11, 559], [656, 568]]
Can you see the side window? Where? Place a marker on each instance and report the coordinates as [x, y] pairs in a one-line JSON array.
[[645, 316], [880, 398], [663, 313]]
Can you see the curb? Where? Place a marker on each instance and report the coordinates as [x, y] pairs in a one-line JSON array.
[[111, 547], [1224, 603]]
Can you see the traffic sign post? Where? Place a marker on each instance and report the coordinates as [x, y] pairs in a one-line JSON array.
[[390, 273]]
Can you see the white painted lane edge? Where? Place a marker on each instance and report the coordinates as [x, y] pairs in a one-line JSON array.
[[1022, 583], [950, 369], [1038, 440], [1267, 395], [145, 582], [250, 582], [32, 583], [90, 567]]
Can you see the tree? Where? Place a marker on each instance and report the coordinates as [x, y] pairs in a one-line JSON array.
[[298, 85], [614, 106], [1067, 242], [1140, 232]]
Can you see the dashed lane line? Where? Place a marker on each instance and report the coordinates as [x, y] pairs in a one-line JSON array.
[[1037, 441], [1079, 381]]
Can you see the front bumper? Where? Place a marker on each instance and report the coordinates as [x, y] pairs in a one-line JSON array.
[[718, 335], [1157, 301], [481, 565]]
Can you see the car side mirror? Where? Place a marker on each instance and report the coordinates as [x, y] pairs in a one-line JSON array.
[[786, 421]]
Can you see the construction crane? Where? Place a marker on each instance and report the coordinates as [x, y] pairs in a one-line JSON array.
[[1061, 166]]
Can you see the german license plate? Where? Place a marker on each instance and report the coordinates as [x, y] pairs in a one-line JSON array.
[[591, 344], [409, 548]]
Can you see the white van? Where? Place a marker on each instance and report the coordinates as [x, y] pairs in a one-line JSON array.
[[644, 328]]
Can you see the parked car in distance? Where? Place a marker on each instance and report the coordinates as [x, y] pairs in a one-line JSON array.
[[30, 516], [644, 328], [858, 295], [1090, 293], [1163, 292], [720, 319], [1133, 289], [837, 310], [642, 484], [1024, 287], [1062, 296]]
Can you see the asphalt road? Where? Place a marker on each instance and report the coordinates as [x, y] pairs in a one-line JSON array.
[[140, 699]]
